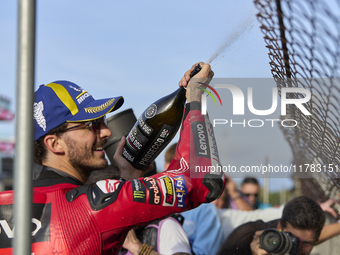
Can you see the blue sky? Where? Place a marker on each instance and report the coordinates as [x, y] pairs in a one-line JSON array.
[[137, 49]]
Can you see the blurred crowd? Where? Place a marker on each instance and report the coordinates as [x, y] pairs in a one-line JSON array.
[[220, 227]]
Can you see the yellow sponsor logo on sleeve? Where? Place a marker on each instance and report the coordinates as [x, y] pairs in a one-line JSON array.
[[168, 185]]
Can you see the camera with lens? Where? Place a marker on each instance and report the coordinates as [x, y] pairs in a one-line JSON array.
[[279, 243]]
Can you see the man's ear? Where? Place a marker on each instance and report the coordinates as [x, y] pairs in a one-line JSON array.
[[54, 144], [278, 227]]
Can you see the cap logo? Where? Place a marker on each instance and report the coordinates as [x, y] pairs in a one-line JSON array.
[[38, 115], [100, 107], [82, 96], [76, 89]]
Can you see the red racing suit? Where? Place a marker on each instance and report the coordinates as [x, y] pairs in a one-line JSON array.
[[70, 218]]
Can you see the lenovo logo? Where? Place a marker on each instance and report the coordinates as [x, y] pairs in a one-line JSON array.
[[40, 227], [200, 135], [10, 232]]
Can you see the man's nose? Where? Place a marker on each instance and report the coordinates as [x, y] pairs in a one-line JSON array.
[[105, 132]]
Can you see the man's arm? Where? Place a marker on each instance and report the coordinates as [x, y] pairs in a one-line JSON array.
[[141, 200], [236, 196], [205, 229], [127, 171], [133, 245], [329, 231]]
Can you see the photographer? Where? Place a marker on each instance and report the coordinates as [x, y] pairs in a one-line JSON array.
[[302, 217]]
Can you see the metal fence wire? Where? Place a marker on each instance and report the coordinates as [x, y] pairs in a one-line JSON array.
[[303, 41]]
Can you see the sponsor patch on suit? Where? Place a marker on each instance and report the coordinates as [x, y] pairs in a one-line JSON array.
[[168, 191], [138, 191], [201, 139], [181, 190], [154, 192]]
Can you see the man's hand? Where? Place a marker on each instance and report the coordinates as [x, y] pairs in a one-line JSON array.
[[131, 243], [194, 94], [236, 196], [255, 244], [127, 171], [327, 207], [231, 188]]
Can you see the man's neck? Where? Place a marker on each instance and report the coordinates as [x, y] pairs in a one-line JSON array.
[[66, 168]]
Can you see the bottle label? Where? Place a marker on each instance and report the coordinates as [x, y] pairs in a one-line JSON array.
[[144, 127], [128, 155], [157, 145], [151, 111], [136, 140]]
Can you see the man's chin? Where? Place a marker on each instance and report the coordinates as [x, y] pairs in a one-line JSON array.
[[103, 165], [87, 169]]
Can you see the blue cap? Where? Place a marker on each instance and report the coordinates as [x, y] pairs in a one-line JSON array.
[[63, 101]]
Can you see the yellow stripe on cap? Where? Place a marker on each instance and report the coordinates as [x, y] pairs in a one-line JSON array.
[[64, 96], [81, 94]]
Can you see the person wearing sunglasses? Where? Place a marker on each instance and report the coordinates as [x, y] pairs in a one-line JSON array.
[[70, 133], [250, 190]]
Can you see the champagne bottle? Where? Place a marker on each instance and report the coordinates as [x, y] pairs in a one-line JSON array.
[[155, 128]]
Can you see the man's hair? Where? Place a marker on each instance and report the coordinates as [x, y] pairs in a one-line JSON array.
[[170, 153], [303, 213], [250, 180], [40, 149]]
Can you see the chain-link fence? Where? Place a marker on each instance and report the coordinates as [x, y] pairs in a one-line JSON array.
[[303, 41]]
